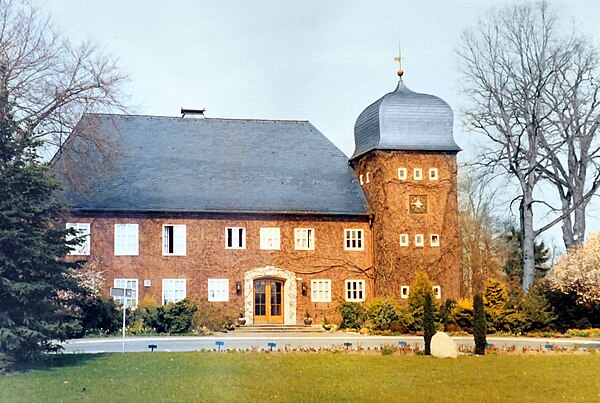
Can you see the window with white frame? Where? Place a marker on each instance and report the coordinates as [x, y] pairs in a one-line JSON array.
[[218, 289], [402, 174], [304, 238], [126, 239], [434, 240], [355, 290], [83, 234], [419, 240], [437, 291], [404, 291], [173, 290], [270, 238], [320, 290], [235, 238], [354, 239], [174, 240], [418, 174], [433, 174], [403, 239], [127, 283], [368, 177], [362, 182]]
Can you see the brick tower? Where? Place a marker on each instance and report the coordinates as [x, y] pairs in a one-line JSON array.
[[405, 157]]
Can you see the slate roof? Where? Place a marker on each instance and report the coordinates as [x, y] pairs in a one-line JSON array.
[[405, 120], [167, 164]]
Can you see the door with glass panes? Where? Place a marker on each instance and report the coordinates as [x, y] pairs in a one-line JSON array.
[[268, 301]]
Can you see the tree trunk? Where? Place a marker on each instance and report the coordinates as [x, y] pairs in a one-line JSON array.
[[528, 234]]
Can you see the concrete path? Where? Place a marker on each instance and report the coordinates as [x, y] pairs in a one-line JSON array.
[[260, 341]]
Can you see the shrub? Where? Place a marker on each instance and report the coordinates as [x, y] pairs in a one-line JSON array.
[[428, 321], [99, 316], [419, 288], [211, 315], [479, 325], [172, 318], [462, 314], [496, 302], [353, 315], [382, 312], [537, 310]]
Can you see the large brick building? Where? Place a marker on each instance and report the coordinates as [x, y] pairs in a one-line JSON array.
[[267, 217]]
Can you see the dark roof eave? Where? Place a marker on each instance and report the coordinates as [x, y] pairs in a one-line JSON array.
[[441, 150], [222, 212]]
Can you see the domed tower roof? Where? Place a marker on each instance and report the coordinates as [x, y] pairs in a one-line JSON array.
[[405, 120]]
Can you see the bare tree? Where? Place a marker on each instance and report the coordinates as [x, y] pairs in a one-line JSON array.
[[570, 143], [484, 249], [51, 82], [514, 64]]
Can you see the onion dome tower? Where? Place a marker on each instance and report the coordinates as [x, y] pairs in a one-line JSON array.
[[405, 156]]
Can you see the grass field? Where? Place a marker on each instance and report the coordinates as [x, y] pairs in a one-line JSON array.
[[241, 377]]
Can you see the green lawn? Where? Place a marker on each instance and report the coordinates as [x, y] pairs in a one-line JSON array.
[[241, 377]]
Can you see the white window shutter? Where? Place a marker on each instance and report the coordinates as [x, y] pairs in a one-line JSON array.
[[179, 242]]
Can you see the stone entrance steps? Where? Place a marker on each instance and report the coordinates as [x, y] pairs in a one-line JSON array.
[[279, 329]]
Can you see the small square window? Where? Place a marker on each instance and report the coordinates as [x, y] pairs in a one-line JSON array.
[[353, 239], [270, 238], [83, 233], [235, 238], [173, 240], [437, 291], [403, 239], [418, 174], [404, 291], [433, 174], [320, 290], [218, 289], [304, 238], [419, 240], [355, 290], [402, 174], [434, 240]]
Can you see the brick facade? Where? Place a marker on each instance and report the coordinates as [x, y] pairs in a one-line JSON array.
[[207, 257]]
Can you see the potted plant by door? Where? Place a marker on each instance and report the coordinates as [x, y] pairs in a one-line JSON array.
[[307, 318], [241, 319]]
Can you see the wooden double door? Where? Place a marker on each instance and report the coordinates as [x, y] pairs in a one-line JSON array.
[[268, 300]]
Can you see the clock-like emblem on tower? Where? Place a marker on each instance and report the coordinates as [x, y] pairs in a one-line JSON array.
[[418, 204]]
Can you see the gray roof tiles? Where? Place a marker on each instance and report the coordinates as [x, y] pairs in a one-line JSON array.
[[206, 165], [405, 120]]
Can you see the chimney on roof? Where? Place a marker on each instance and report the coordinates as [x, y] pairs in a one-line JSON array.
[[192, 112]]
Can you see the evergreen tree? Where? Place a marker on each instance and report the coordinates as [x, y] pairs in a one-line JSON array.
[[514, 265], [36, 285], [428, 322], [479, 325], [419, 288]]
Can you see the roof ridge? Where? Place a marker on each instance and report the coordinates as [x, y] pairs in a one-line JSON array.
[[204, 118]]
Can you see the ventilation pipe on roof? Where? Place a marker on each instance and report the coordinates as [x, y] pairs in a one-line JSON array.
[[192, 112]]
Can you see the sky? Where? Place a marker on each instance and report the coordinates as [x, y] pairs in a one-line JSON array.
[[322, 61]]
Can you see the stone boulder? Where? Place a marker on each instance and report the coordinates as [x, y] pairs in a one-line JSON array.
[[443, 346]]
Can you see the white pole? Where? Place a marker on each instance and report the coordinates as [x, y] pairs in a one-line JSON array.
[[123, 325]]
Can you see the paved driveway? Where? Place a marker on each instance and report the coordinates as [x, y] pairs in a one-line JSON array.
[[260, 341]]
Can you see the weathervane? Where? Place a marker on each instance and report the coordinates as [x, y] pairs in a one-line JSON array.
[[399, 60]]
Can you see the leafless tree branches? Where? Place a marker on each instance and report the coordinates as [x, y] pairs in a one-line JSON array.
[[50, 81], [535, 99]]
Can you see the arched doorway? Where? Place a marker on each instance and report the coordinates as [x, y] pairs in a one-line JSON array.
[[268, 300], [281, 286]]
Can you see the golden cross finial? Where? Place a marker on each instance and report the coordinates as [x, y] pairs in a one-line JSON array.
[[399, 60]]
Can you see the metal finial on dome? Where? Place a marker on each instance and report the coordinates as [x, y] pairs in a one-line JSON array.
[[399, 60]]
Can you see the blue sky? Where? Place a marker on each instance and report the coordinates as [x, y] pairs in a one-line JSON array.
[[322, 61]]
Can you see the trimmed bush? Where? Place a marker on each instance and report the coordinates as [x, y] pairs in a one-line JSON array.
[[479, 325], [382, 312], [428, 321], [100, 316], [353, 315]]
